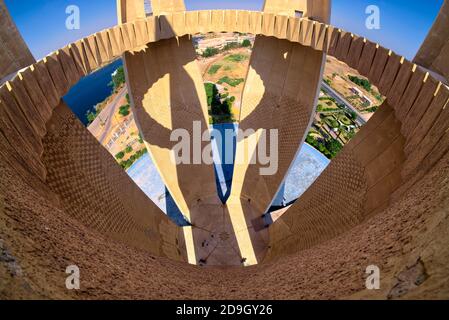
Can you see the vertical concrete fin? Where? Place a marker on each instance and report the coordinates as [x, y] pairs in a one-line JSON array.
[[270, 98]]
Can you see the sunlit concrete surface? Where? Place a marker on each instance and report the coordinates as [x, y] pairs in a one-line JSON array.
[[383, 200]]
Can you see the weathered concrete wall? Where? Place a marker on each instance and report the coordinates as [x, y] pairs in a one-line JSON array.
[[400, 226], [51, 150], [355, 186], [386, 158], [167, 94], [130, 10], [14, 53], [97, 192], [318, 10], [161, 7], [434, 51], [408, 241]]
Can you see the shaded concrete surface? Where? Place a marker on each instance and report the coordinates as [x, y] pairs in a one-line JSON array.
[[223, 237], [314, 9], [167, 95], [14, 52], [44, 240], [280, 94], [93, 188]]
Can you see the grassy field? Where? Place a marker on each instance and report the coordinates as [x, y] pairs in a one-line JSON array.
[[238, 57], [228, 70], [225, 75], [214, 69]]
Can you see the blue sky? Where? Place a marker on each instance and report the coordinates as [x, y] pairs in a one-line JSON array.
[[404, 23]]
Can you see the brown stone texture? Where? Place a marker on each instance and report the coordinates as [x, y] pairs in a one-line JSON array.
[[167, 94], [280, 94], [315, 9], [383, 201], [167, 6], [356, 184], [435, 48], [14, 52], [130, 10], [43, 240], [165, 99], [96, 191]]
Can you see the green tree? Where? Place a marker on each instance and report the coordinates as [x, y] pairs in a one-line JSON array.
[[118, 78], [230, 45], [91, 116], [361, 82], [212, 94], [210, 52], [352, 115], [140, 139], [334, 147], [124, 110], [120, 155], [129, 149], [246, 43], [221, 112]]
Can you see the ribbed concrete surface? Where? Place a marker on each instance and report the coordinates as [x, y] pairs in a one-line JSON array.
[[401, 223], [14, 53]]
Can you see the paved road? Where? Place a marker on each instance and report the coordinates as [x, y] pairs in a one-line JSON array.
[[334, 94], [103, 122]]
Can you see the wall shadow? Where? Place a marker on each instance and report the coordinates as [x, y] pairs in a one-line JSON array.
[[286, 73], [173, 211], [167, 94], [224, 169]]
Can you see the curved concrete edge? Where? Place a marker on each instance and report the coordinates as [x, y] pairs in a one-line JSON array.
[[14, 51], [433, 53], [166, 93], [410, 91], [281, 92], [407, 240]]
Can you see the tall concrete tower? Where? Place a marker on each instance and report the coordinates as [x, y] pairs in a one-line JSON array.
[[281, 91], [318, 10], [13, 49], [168, 95], [382, 201], [280, 94], [434, 51]]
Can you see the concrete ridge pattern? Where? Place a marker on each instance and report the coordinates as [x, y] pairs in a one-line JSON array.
[[396, 155]]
